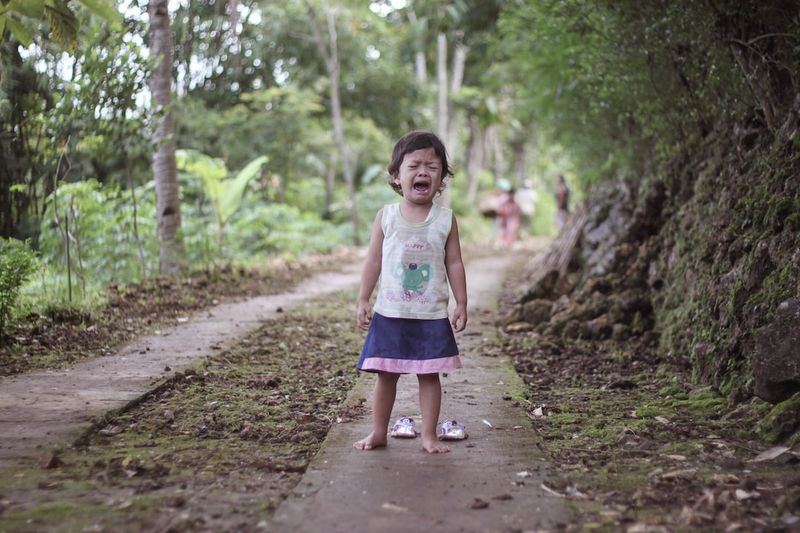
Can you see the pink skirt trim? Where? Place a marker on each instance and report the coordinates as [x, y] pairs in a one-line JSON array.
[[405, 366]]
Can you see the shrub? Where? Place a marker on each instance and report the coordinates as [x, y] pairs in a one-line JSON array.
[[17, 263]]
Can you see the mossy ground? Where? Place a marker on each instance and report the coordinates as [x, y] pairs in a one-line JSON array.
[[638, 446], [216, 448]]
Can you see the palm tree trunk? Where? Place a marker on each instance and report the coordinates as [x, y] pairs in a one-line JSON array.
[[456, 80], [419, 55], [441, 76], [475, 158], [330, 56], [168, 207]]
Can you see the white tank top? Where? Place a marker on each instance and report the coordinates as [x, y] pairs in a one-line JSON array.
[[413, 282]]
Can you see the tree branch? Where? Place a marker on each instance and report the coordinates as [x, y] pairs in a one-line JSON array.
[[312, 17]]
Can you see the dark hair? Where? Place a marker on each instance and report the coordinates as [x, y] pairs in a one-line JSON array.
[[411, 142]]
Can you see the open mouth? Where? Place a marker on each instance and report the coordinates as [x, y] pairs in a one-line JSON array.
[[422, 187]]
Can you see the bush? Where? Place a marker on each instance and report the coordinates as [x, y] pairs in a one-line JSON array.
[[17, 263]]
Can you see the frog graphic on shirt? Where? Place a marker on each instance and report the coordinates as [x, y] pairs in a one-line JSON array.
[[415, 277], [412, 274]]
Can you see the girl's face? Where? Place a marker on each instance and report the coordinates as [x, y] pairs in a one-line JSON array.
[[420, 176]]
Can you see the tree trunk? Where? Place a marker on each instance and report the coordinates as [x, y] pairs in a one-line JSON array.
[[520, 164], [420, 67], [168, 207], [330, 176], [441, 76], [456, 80], [493, 138], [475, 157], [442, 100], [330, 56]]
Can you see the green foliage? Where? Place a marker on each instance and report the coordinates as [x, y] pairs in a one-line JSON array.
[[781, 421], [267, 230], [224, 194], [371, 198], [279, 123], [614, 80], [96, 223], [20, 16], [78, 116], [17, 263]]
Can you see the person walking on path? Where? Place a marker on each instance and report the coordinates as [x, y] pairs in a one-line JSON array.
[[508, 216], [415, 251], [562, 202]]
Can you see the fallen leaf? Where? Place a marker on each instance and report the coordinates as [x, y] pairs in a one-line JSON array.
[[679, 474], [746, 495], [573, 492], [392, 507], [50, 460], [551, 491], [46, 485], [790, 519], [477, 503], [663, 420], [770, 454], [611, 515], [726, 478], [110, 431]]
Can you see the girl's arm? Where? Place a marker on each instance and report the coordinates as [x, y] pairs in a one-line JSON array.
[[457, 277], [372, 270]]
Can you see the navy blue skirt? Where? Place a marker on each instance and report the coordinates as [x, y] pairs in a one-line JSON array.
[[409, 346]]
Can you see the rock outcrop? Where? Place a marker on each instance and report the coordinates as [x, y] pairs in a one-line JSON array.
[[698, 254], [776, 361]]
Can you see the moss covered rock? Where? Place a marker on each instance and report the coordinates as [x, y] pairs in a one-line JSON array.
[[776, 360], [781, 421]]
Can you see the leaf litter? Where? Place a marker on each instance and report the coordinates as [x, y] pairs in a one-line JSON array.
[[215, 448], [654, 452]]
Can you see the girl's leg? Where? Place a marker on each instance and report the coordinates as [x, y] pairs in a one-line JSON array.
[[385, 392], [430, 401]]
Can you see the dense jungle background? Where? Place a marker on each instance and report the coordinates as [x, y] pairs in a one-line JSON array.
[[140, 140]]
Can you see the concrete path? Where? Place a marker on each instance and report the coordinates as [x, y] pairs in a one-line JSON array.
[[51, 407], [402, 488]]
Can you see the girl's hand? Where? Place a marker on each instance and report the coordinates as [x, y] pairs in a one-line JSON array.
[[363, 315], [459, 318]]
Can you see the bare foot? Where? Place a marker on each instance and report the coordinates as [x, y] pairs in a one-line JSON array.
[[433, 446], [369, 442]]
